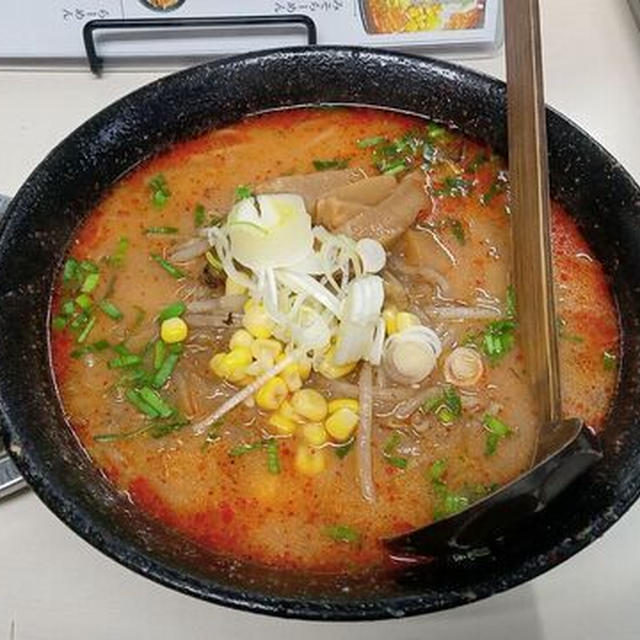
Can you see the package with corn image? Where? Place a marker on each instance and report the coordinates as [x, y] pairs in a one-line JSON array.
[[407, 16]]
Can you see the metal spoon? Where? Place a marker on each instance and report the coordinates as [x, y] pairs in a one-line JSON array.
[[565, 448]]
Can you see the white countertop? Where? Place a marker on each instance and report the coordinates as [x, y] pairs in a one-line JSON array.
[[55, 586]]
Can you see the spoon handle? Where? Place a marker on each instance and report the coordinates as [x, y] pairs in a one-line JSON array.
[[530, 210]]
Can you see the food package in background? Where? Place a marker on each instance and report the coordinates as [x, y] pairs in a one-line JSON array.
[[409, 16]]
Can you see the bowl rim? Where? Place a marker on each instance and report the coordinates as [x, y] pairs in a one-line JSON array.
[[256, 601]]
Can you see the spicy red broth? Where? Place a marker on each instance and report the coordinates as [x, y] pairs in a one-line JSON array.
[[148, 341]]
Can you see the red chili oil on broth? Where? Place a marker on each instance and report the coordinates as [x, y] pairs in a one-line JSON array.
[[227, 489]]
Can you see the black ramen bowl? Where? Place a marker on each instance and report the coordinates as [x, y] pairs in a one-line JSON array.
[[57, 197]]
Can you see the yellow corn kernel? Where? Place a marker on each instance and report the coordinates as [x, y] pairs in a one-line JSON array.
[[232, 288], [341, 403], [404, 320], [297, 372], [309, 461], [174, 330], [329, 369], [304, 367], [257, 368], [341, 424], [272, 394], [216, 364], [283, 425], [314, 434], [390, 317], [256, 320], [234, 364], [291, 375], [238, 358], [310, 404], [266, 350], [288, 412], [241, 338]]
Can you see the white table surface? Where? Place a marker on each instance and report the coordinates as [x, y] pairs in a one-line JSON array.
[[55, 586]]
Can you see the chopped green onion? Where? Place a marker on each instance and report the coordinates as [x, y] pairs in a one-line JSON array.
[[123, 361], [447, 502], [122, 349], [70, 270], [159, 191], [334, 163], [159, 349], [241, 449], [343, 449], [498, 339], [397, 167], [118, 257], [100, 345], [273, 459], [432, 403], [199, 215], [79, 321], [374, 141], [165, 370], [397, 461], [58, 323], [389, 448], [135, 376], [437, 469], [450, 504], [90, 283], [154, 400], [454, 187], [479, 159], [110, 309], [67, 308], [161, 230], [172, 270], [159, 430], [112, 437], [497, 430], [242, 192], [445, 415], [84, 302], [446, 407], [457, 230], [435, 132], [174, 310], [89, 266], [498, 186], [342, 533], [176, 348], [87, 330], [392, 442], [609, 360], [134, 397], [452, 401], [78, 353]]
